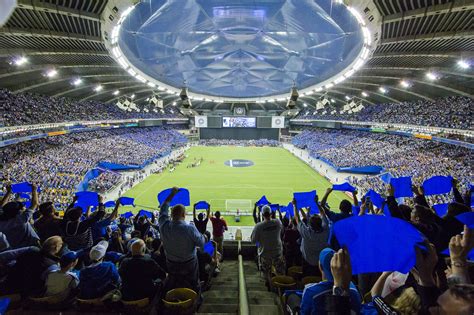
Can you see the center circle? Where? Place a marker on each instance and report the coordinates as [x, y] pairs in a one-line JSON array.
[[240, 48], [238, 163]]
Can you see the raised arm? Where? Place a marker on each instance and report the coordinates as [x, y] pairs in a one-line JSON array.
[[7, 196], [114, 213], [459, 247], [296, 211], [379, 284], [279, 213], [354, 198], [34, 197], [256, 218], [420, 196], [456, 193], [322, 212], [326, 195], [194, 212], [164, 216], [208, 211]]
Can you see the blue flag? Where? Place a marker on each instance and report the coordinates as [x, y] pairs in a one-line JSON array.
[[127, 201], [109, 204], [344, 187], [402, 186], [274, 207], [209, 248], [127, 215], [181, 197], [201, 205], [467, 218], [23, 187], [147, 214], [263, 201], [289, 210], [437, 185], [305, 199], [87, 198], [386, 178], [441, 209], [377, 201], [378, 243], [24, 196]]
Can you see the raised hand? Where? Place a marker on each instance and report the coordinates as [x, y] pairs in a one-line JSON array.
[[461, 245], [341, 268]]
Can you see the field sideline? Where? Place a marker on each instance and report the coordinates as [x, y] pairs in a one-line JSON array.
[[276, 173]]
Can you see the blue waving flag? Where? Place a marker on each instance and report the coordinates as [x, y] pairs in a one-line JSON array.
[[305, 199], [402, 186], [288, 210], [467, 218], [127, 201], [24, 196], [274, 207], [344, 187], [378, 243], [441, 209], [87, 198], [437, 185], [109, 204], [181, 197], [127, 215], [201, 205], [23, 187], [147, 214], [263, 201], [386, 178]]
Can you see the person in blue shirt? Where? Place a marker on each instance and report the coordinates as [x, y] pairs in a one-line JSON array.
[[313, 300], [100, 277], [345, 206], [180, 240], [99, 228]]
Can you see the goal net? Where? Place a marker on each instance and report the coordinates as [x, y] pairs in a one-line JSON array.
[[244, 206]]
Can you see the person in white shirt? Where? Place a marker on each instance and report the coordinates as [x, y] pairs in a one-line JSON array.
[[63, 281]]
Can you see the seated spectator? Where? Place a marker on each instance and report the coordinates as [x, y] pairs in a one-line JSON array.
[[141, 276], [48, 224], [15, 221], [28, 275], [100, 277], [63, 282], [313, 298], [270, 250]]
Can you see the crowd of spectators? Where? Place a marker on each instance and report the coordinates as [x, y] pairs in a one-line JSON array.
[[400, 156], [241, 143], [104, 182], [58, 164], [450, 112], [28, 109]]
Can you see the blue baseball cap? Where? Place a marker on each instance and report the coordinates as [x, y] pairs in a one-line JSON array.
[[325, 257], [68, 258]]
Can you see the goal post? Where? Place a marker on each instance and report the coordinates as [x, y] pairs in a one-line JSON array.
[[244, 206]]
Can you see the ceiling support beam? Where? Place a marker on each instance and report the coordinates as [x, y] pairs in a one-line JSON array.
[[40, 83], [427, 37], [37, 5], [33, 52], [10, 31], [43, 68], [461, 74], [95, 94], [447, 88], [427, 54], [455, 6], [393, 100]]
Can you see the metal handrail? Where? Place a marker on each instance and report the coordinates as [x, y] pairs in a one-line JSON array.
[[243, 298]]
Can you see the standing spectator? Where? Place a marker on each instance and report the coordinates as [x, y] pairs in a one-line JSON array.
[[219, 226], [314, 238], [48, 224], [141, 275], [100, 277], [345, 207], [290, 239], [180, 241], [99, 228], [201, 222], [267, 235], [15, 221]]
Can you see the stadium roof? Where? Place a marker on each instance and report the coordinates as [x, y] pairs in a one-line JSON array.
[[73, 38]]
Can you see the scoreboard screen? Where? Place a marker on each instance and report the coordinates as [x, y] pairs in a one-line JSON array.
[[239, 122]]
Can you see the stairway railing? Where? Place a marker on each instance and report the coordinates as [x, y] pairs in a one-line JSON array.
[[243, 298]]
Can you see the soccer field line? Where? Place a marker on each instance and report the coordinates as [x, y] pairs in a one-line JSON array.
[[236, 187], [160, 178]]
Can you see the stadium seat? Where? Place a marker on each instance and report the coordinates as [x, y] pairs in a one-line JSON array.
[[310, 279], [295, 272]]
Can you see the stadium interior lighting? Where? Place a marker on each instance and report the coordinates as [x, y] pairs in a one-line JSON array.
[[20, 60], [305, 105], [77, 82], [347, 97], [333, 100], [364, 94], [116, 92], [463, 64], [133, 96], [98, 88], [382, 90], [174, 104], [405, 83], [432, 76], [51, 73]]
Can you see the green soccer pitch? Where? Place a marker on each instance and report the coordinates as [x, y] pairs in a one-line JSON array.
[[276, 173]]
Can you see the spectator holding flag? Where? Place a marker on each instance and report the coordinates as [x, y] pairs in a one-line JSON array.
[[345, 207]]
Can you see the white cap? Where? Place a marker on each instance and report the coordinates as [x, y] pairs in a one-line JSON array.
[[98, 251]]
